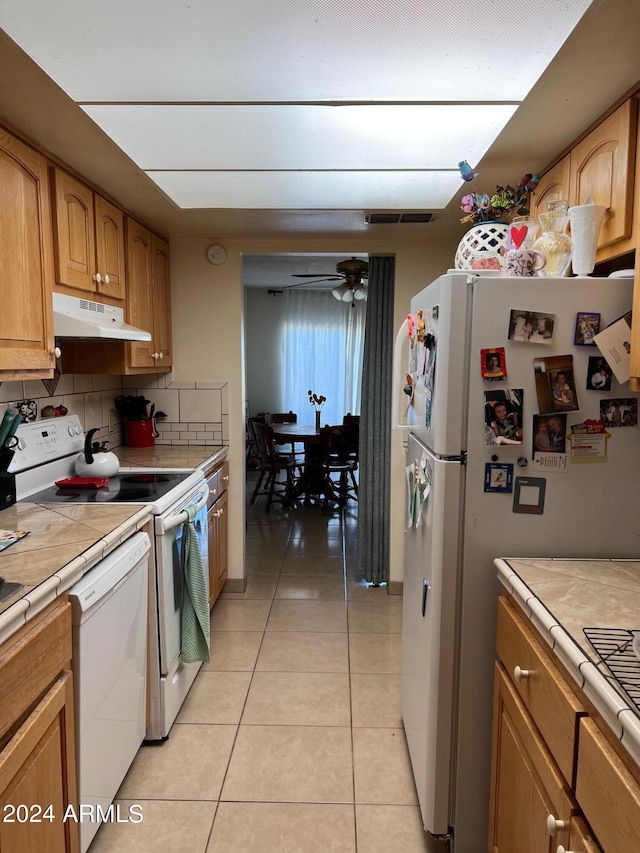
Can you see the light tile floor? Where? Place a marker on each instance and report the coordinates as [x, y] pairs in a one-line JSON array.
[[291, 738]]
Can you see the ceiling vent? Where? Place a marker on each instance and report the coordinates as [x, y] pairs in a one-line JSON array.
[[396, 218]]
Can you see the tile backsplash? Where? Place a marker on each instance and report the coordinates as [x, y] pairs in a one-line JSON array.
[[197, 412]]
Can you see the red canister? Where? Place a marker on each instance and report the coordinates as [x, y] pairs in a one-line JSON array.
[[138, 433]]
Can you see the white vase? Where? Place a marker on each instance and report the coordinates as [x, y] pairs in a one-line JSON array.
[[586, 220], [483, 237]]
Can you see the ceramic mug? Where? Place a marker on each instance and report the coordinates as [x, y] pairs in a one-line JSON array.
[[486, 261], [523, 262]]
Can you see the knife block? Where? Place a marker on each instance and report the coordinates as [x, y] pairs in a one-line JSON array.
[[7, 489]]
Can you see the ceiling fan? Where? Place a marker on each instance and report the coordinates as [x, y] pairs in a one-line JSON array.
[[351, 272]]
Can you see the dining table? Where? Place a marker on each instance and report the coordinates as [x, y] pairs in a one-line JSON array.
[[310, 486]]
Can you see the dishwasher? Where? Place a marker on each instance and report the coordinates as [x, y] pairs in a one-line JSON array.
[[109, 614]]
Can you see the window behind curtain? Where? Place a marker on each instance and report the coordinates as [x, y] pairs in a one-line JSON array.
[[322, 349]]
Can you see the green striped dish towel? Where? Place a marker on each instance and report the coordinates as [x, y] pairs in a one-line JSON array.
[[195, 636]]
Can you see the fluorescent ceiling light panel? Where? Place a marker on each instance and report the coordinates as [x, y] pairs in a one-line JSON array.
[[292, 50], [302, 137], [312, 190]]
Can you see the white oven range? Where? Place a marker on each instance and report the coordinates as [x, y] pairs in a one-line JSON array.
[[46, 452]]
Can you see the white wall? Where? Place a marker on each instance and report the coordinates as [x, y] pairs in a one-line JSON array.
[[263, 359], [208, 328]]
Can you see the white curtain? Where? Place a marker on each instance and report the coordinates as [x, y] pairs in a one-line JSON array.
[[322, 351]]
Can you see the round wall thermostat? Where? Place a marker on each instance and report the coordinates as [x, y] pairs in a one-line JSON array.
[[216, 254]]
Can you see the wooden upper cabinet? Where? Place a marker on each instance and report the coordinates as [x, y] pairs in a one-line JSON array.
[[553, 186], [110, 248], [148, 306], [602, 168], [26, 263], [162, 328], [89, 239], [140, 297]]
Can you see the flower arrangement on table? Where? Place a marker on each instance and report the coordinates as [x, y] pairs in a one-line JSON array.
[[317, 401], [500, 205]]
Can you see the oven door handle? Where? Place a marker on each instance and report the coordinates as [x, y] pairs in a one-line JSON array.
[[163, 525]]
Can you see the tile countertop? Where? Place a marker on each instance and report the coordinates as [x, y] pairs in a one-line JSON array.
[[65, 540], [171, 456], [561, 597]]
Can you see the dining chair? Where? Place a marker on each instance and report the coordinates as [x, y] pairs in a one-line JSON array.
[[287, 418], [283, 417], [351, 423], [251, 453], [271, 464], [338, 465]]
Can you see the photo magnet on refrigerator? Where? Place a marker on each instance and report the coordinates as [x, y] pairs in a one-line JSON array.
[[493, 364], [503, 416], [498, 478], [587, 327]]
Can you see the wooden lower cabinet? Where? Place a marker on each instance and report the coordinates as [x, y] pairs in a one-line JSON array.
[[608, 794], [37, 746], [553, 758], [527, 786], [580, 838], [217, 515], [218, 547], [37, 778]]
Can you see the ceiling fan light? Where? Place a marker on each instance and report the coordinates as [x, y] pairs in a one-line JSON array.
[[360, 292], [347, 294], [337, 292]]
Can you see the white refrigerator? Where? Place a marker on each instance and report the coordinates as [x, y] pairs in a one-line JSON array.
[[470, 501]]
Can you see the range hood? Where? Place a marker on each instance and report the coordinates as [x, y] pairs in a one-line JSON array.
[[74, 317]]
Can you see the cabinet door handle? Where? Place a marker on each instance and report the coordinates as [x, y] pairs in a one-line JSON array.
[[554, 825], [97, 278], [160, 355], [520, 674], [56, 351], [225, 479], [155, 355], [561, 849], [106, 279]]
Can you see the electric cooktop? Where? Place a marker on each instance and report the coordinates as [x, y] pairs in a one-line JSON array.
[[138, 487]]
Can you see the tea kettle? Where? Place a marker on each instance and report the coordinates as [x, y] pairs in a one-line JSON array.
[[96, 460]]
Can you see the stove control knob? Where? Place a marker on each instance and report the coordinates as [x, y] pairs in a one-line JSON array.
[[21, 444], [71, 429]]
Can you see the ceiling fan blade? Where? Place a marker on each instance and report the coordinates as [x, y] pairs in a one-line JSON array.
[[315, 281], [314, 274]]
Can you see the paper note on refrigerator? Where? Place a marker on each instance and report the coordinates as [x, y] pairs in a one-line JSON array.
[[614, 343]]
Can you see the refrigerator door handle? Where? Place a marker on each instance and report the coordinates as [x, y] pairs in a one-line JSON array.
[[397, 373], [426, 586]]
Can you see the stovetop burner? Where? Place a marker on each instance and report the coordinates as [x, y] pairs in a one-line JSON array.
[[138, 487]]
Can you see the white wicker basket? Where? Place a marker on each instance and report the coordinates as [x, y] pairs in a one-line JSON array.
[[483, 237]]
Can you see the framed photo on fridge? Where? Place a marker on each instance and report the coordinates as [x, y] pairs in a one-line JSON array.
[[587, 327]]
